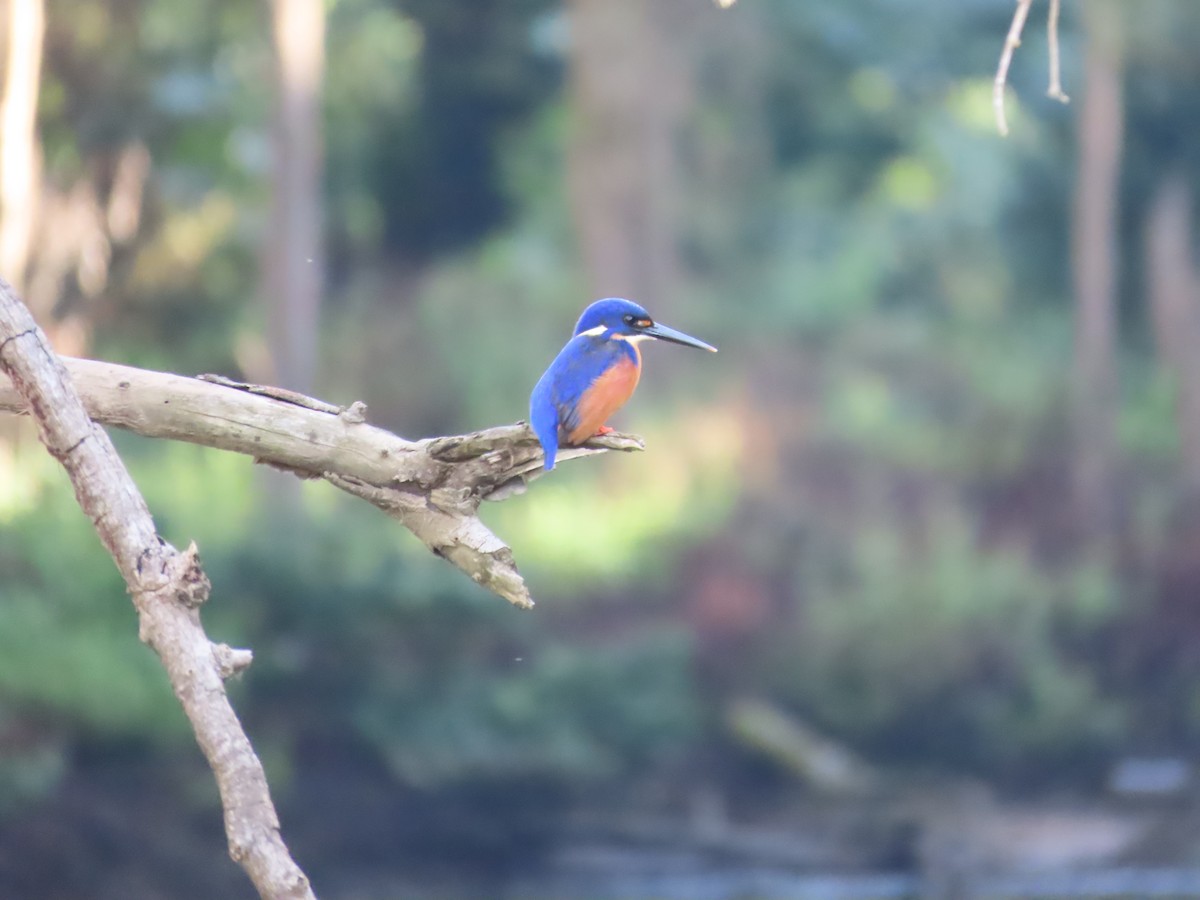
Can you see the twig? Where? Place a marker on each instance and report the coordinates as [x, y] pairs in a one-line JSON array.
[[167, 588], [1055, 91], [266, 390], [1011, 43], [433, 487]]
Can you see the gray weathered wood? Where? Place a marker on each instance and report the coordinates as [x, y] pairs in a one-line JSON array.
[[167, 587], [432, 486]]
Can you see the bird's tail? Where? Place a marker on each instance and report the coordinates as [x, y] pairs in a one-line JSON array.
[[544, 418]]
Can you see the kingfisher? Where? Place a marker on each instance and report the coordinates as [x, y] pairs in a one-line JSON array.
[[595, 373]]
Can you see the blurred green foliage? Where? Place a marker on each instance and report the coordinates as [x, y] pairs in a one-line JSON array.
[[881, 448], [355, 636], [568, 713], [68, 653], [952, 650]]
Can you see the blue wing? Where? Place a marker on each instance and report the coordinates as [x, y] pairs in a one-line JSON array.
[[554, 403]]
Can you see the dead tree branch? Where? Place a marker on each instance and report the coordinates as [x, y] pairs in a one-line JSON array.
[[167, 587], [433, 486], [1011, 42], [1055, 91]]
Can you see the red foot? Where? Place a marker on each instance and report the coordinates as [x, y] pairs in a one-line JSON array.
[[604, 429]]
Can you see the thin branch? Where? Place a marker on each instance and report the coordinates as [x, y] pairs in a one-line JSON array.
[[1055, 91], [167, 587], [1011, 43], [433, 487]]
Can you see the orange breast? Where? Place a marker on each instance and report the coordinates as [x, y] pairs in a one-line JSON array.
[[607, 394]]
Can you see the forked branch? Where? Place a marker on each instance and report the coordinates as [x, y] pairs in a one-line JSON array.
[[433, 487]]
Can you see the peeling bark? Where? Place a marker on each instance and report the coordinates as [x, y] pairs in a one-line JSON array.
[[433, 487]]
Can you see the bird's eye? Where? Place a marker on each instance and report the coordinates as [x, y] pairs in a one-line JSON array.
[[629, 320]]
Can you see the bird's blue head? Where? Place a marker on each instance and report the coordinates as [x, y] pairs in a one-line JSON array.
[[623, 320]]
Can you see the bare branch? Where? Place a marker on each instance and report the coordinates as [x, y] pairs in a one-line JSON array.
[[278, 393], [1055, 91], [167, 588], [1011, 43], [433, 487]]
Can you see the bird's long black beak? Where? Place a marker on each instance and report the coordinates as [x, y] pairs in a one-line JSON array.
[[665, 333]]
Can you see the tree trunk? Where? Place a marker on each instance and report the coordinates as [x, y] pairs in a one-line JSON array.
[[1173, 291], [631, 92], [20, 160], [20, 167], [295, 266], [1094, 261]]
